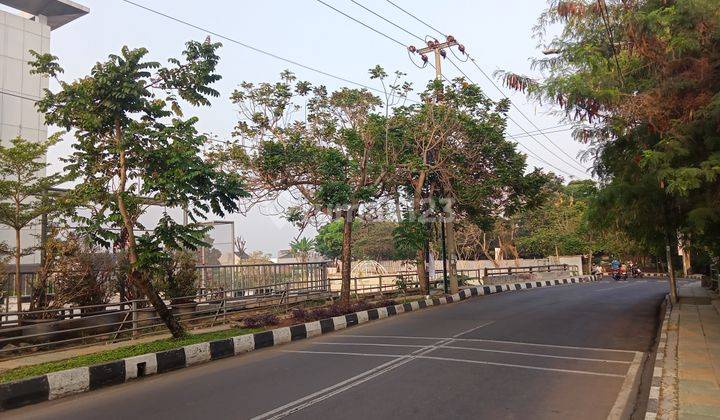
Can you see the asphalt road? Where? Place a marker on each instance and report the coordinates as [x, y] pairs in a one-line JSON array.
[[561, 352]]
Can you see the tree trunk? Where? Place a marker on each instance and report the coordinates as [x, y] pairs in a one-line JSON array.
[[18, 291], [452, 257], [135, 276], [163, 312], [346, 257], [421, 271], [423, 280]]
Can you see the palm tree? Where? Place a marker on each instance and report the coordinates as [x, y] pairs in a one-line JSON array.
[[300, 248]]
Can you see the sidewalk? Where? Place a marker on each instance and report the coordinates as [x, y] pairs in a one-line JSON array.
[[690, 387]]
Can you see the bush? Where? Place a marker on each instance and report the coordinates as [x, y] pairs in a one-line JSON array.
[[79, 272], [463, 280], [359, 306], [260, 320], [179, 278], [301, 315], [385, 303]]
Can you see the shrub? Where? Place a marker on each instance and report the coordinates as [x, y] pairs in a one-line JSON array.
[[260, 320], [385, 303], [301, 315], [463, 280], [179, 277], [79, 272], [360, 306], [401, 285]]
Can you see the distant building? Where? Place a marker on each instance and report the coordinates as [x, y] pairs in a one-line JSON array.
[[286, 256], [28, 29]]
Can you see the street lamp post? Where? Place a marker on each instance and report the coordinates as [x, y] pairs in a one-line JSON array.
[[444, 254]]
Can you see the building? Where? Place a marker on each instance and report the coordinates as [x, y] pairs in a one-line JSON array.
[[28, 26], [286, 256]]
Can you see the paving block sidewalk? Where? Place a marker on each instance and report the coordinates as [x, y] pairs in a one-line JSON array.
[[690, 386]]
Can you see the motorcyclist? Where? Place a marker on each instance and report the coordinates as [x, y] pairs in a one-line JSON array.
[[615, 268]]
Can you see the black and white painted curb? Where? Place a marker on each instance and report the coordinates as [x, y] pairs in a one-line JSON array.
[[653, 404], [60, 384]]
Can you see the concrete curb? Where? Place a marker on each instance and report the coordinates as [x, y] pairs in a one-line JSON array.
[[653, 405], [74, 381]]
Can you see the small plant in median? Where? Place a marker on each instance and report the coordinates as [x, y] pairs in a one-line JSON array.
[[262, 320]]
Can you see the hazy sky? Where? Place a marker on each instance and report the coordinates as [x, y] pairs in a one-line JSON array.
[[497, 33]]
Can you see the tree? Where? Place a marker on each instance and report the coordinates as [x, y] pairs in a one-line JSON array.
[[24, 191], [329, 239], [133, 143], [372, 242], [333, 162], [301, 248], [640, 78], [455, 157]]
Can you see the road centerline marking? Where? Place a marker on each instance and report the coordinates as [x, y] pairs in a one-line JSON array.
[[446, 346], [454, 359], [520, 343], [328, 392]]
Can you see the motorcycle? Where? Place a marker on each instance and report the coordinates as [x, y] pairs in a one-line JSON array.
[[636, 272], [619, 274]]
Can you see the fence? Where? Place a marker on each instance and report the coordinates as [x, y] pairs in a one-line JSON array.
[[223, 291]]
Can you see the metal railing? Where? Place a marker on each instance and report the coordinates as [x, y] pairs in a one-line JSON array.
[[227, 276], [222, 291], [504, 271], [81, 325]]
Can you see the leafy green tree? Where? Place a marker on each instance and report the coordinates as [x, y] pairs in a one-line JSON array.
[[641, 78], [455, 154], [24, 191], [132, 142], [329, 239], [373, 242], [334, 161]]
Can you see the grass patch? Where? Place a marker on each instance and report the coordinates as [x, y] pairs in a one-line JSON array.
[[120, 353]]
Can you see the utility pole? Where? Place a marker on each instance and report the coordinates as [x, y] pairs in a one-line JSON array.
[[438, 49]]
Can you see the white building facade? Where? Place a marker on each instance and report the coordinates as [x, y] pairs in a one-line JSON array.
[[28, 27]]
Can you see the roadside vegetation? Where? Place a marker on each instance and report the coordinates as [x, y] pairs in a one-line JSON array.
[[121, 353]]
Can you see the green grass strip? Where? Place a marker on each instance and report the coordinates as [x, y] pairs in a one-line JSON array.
[[119, 353]]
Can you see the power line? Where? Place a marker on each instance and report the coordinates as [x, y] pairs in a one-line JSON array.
[[363, 24], [416, 18], [17, 95], [256, 49], [545, 129], [605, 15], [560, 130], [449, 81], [582, 169], [501, 92], [463, 73], [388, 21], [535, 155], [527, 133]]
